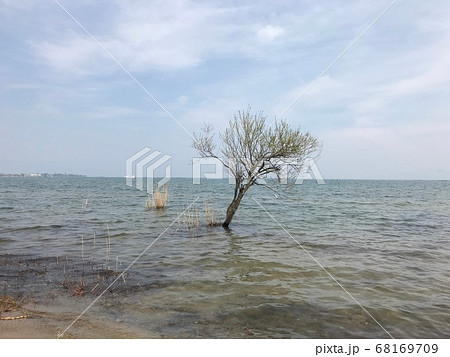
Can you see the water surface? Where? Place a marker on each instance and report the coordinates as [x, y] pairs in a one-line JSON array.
[[385, 242]]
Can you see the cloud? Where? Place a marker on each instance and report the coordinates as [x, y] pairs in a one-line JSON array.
[[376, 81], [269, 33], [110, 112], [73, 55], [146, 36], [22, 5], [435, 75], [410, 149], [182, 99], [161, 35]]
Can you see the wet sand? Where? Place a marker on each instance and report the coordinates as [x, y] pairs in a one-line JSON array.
[[48, 328], [45, 325], [26, 328]]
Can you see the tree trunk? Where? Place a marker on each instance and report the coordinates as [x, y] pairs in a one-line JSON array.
[[232, 208]]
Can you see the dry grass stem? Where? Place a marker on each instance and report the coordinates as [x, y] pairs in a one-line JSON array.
[[8, 304], [210, 214], [191, 219], [159, 198]]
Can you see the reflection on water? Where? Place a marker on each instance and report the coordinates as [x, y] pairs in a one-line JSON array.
[[386, 242]]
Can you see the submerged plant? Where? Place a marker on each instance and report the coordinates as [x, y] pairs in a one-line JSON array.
[[189, 219], [159, 198], [210, 213]]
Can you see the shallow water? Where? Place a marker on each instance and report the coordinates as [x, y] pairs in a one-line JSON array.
[[385, 242]]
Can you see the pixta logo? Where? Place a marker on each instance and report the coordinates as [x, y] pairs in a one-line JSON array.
[[216, 167], [141, 167]]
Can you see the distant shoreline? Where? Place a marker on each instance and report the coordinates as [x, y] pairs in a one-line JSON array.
[[41, 175], [327, 180]]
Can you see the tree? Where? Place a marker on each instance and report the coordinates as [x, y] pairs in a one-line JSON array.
[[251, 150]]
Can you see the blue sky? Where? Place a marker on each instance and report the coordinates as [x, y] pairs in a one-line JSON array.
[[382, 111]]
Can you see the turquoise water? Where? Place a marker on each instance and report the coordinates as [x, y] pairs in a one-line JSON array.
[[385, 242]]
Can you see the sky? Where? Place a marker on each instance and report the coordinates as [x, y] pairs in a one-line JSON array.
[[381, 111]]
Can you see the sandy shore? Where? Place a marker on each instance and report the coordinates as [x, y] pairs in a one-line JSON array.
[[38, 328], [48, 326], [26, 328]]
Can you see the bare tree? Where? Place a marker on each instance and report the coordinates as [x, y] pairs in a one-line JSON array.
[[251, 150]]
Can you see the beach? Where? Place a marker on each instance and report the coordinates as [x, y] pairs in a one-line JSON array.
[[26, 328]]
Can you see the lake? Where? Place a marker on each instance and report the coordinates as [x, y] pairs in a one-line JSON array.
[[371, 258]]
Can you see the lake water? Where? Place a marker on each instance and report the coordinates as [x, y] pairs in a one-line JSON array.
[[385, 242]]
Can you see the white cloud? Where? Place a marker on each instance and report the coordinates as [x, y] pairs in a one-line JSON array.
[[182, 99], [269, 33], [110, 112], [17, 5], [73, 55], [162, 35], [151, 36], [432, 77], [406, 150]]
